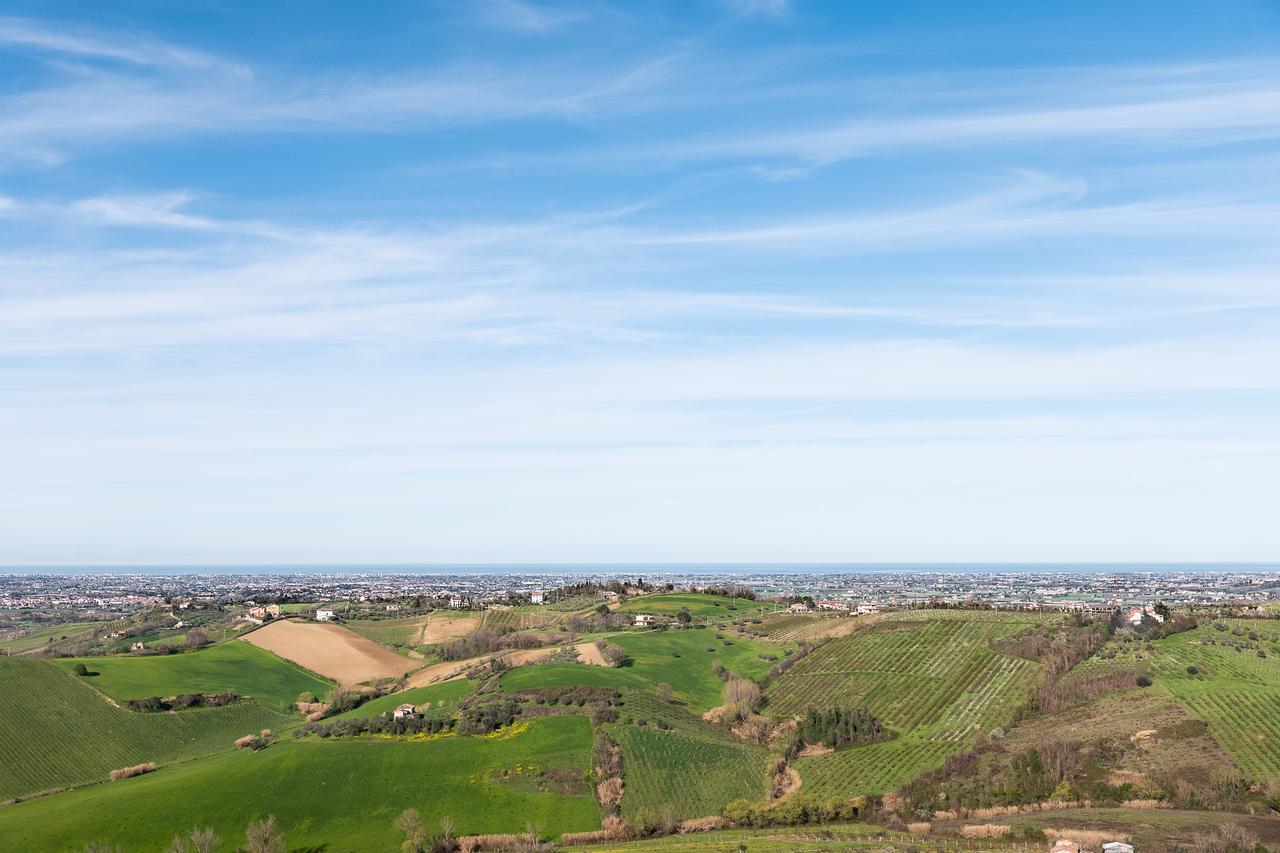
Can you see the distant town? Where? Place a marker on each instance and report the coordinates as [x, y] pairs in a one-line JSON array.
[[112, 595]]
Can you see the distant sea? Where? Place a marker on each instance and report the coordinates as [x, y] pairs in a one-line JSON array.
[[627, 568]]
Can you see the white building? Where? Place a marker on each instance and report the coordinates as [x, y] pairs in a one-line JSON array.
[[455, 602], [645, 619], [537, 596], [326, 616], [405, 710]]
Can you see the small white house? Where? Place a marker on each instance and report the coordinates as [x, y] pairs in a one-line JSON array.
[[326, 616], [645, 619], [392, 608], [537, 596], [455, 602], [864, 609], [405, 711], [798, 607]]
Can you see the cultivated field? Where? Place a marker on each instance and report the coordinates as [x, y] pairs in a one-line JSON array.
[[330, 650], [333, 795], [232, 666], [57, 731], [39, 639], [682, 775], [935, 681]]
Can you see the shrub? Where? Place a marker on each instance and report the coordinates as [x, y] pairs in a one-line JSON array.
[[1193, 670], [135, 770], [1143, 681], [985, 830], [81, 669], [921, 827]]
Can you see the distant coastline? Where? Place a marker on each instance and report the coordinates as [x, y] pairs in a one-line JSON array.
[[691, 568]]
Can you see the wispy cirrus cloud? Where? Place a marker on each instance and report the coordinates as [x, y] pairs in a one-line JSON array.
[[24, 33]]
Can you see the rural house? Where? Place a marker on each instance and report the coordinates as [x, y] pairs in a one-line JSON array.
[[537, 597], [405, 711], [326, 616], [645, 619]]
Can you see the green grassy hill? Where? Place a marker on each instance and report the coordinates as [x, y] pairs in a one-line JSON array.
[[239, 667], [441, 696], [335, 795], [712, 607], [685, 659], [55, 731], [48, 636], [935, 680]]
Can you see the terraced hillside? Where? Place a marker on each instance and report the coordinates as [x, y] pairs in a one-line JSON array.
[[335, 794], [232, 666], [56, 731], [1226, 673], [935, 680]]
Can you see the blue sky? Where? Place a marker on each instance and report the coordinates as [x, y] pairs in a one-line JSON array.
[[740, 280]]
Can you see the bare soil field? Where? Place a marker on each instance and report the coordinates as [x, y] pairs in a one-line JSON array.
[[589, 653], [330, 650]]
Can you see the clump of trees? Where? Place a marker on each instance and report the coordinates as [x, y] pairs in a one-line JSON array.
[[795, 810], [838, 727], [741, 697], [183, 701], [261, 740], [613, 654], [264, 836], [381, 724], [487, 717], [419, 839], [483, 641]]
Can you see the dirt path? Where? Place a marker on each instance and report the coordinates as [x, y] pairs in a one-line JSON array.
[[330, 650]]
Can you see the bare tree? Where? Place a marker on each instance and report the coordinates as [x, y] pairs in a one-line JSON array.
[[416, 838], [198, 840], [264, 836]]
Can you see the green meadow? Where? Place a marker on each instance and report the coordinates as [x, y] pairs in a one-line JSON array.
[[712, 607], [685, 659], [239, 667], [334, 795], [441, 696], [55, 731]]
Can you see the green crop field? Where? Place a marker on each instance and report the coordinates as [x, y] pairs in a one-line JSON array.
[[652, 660], [389, 632], [333, 795], [683, 775], [56, 731], [47, 636], [935, 681], [711, 607], [239, 667], [443, 695]]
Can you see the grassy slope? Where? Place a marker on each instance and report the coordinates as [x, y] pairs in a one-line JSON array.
[[934, 680], [342, 795], [444, 695], [651, 661], [55, 731], [239, 667]]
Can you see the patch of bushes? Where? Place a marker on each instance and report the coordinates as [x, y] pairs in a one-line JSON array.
[[135, 770], [183, 701]]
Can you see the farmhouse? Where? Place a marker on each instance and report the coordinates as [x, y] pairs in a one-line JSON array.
[[798, 607], [608, 595], [404, 711], [645, 619], [326, 616], [833, 604], [455, 602], [258, 612], [864, 609], [1134, 617], [537, 596]]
